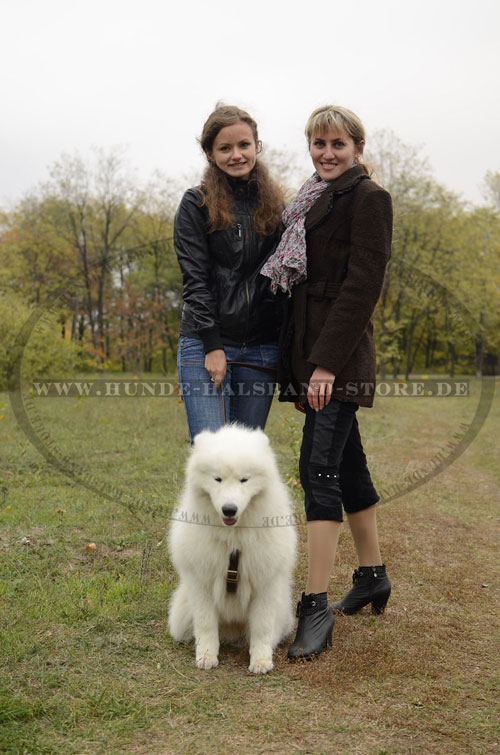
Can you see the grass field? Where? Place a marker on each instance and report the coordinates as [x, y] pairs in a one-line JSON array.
[[86, 664]]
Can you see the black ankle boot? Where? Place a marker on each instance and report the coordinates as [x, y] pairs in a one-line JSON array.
[[315, 627], [370, 585]]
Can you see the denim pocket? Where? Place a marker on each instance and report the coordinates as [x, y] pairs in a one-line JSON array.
[[269, 354], [191, 351]]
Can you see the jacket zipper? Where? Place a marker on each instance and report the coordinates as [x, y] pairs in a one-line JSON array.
[[247, 292], [248, 311]]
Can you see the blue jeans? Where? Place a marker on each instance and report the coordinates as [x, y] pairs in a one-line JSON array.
[[247, 394]]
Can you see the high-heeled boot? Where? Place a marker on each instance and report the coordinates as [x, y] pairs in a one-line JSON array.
[[370, 585], [315, 627]]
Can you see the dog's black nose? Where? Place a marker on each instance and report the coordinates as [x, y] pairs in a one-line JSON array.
[[229, 509]]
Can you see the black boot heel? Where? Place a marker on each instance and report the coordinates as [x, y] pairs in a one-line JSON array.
[[370, 585], [315, 627], [378, 606]]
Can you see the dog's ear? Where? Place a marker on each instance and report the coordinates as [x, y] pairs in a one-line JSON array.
[[202, 439], [263, 437]]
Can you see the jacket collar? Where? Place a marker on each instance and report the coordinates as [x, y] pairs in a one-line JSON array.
[[347, 180], [344, 183], [241, 187]]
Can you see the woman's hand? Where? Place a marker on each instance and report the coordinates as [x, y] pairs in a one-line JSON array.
[[319, 391], [215, 363]]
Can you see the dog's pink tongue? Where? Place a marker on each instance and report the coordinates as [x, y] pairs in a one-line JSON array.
[[228, 521]]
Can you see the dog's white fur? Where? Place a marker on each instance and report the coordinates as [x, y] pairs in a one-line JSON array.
[[233, 466]]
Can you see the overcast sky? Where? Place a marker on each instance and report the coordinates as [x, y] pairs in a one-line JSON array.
[[146, 73]]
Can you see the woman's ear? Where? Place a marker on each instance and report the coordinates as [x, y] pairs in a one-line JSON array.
[[259, 147]]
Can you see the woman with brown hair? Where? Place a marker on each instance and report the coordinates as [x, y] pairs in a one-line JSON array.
[[224, 231], [332, 257]]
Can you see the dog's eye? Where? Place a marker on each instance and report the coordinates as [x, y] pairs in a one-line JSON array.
[[218, 479], [244, 479]]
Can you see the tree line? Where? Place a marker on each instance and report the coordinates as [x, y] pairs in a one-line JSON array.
[[93, 251]]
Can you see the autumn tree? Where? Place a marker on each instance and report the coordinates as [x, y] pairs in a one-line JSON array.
[[491, 189], [97, 205], [35, 259], [414, 316], [154, 270]]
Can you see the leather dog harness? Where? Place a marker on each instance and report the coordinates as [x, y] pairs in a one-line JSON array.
[[233, 576]]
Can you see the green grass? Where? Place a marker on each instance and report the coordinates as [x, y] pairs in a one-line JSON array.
[[86, 664]]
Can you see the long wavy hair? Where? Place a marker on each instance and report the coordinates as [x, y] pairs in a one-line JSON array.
[[216, 189]]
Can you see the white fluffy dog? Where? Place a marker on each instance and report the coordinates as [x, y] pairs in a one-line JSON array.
[[233, 500]]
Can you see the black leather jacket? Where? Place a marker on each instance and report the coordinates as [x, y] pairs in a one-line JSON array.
[[226, 300]]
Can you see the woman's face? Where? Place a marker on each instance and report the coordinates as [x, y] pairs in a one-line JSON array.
[[234, 150], [333, 153]]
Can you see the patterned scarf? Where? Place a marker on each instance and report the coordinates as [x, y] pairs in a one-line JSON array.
[[288, 265]]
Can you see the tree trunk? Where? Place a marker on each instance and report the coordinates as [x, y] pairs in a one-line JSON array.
[[453, 358], [479, 345]]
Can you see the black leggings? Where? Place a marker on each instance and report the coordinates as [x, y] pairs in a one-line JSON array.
[[333, 468]]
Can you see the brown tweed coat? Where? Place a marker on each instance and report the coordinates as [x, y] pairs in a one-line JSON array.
[[348, 236]]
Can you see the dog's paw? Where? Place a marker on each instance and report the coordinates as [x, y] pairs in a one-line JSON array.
[[260, 665], [207, 660]]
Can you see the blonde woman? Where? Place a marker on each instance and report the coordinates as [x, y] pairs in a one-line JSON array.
[[332, 258]]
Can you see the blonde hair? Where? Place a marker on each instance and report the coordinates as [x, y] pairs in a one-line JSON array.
[[339, 119]]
